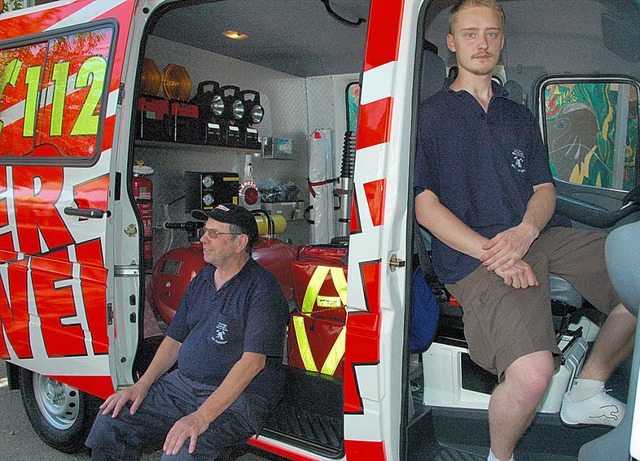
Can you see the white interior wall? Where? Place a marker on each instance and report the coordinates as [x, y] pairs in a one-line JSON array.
[[294, 107]]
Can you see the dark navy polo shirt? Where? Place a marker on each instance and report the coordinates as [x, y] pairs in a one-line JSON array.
[[481, 165], [248, 313]]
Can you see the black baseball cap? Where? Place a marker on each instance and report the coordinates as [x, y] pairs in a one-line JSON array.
[[232, 214]]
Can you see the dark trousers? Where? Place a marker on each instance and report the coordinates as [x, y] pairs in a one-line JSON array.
[[174, 396]]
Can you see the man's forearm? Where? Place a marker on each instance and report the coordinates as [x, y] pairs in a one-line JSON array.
[[163, 360], [446, 226], [234, 384], [540, 207]]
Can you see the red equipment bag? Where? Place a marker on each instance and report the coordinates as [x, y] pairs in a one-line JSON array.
[[316, 336], [316, 343], [320, 280]]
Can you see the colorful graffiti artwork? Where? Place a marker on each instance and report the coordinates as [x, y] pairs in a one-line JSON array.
[[592, 133]]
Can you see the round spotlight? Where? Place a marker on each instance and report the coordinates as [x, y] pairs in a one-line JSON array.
[[237, 109], [231, 103], [253, 111], [257, 114], [217, 104]]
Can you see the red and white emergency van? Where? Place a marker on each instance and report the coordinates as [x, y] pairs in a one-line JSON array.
[[118, 117]]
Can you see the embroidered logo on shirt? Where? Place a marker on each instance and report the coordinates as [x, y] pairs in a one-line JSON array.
[[517, 161], [221, 331]]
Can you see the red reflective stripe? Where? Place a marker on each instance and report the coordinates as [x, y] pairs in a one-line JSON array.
[[363, 336], [363, 332], [375, 193], [365, 449], [383, 38], [100, 386], [374, 123], [354, 219], [267, 445]]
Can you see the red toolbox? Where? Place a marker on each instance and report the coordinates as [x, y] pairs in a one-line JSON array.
[[186, 126], [152, 119]]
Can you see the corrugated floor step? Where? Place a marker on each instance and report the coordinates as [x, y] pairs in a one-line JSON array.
[[310, 415]]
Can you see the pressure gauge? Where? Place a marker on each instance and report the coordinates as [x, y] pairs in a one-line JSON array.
[[207, 181], [207, 200]]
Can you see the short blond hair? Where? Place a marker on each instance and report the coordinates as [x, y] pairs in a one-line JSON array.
[[462, 4]]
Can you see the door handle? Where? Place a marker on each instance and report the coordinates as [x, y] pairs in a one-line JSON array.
[[93, 213]]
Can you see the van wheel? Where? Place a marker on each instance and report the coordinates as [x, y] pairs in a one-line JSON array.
[[60, 414]]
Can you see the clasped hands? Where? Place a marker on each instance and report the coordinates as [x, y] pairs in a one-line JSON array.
[[503, 255]]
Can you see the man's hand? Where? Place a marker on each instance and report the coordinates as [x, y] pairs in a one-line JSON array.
[[189, 427], [520, 275], [507, 248], [115, 402]]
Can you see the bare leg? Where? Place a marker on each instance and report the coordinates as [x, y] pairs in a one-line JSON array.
[[514, 402], [613, 344]]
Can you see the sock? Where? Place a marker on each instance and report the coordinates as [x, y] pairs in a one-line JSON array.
[[492, 457], [582, 389]]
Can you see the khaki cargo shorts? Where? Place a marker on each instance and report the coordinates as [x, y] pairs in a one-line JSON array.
[[502, 323]]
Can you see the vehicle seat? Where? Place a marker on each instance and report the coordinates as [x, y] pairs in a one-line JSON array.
[[622, 253], [515, 91], [433, 74]]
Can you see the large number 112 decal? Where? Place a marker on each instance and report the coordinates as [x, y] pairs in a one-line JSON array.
[[55, 88], [91, 74]]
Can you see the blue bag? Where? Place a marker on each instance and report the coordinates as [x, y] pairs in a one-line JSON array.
[[424, 316]]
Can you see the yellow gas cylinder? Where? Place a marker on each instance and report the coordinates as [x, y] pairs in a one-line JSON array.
[[279, 223]]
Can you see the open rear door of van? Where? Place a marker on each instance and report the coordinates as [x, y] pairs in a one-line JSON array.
[[60, 71]]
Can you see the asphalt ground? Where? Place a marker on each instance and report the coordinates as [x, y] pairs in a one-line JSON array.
[[19, 442]]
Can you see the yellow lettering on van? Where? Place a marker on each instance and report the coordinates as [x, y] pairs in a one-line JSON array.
[[59, 76], [96, 68], [32, 79], [9, 76]]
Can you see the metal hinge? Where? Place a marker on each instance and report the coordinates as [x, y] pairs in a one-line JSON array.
[[121, 94], [396, 262], [109, 313]]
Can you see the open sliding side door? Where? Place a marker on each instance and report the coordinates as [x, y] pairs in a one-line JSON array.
[[60, 71]]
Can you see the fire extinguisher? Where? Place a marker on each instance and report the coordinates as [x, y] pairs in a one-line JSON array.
[[143, 195]]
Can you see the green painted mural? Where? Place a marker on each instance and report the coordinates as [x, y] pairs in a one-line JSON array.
[[584, 140]]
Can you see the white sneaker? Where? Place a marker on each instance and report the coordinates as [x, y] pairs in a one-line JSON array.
[[600, 409]]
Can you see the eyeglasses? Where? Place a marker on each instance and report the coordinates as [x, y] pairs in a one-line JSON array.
[[212, 233]]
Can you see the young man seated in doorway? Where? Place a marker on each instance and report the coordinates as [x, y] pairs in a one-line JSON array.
[[484, 190]]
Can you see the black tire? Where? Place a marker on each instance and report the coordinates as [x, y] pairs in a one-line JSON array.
[[60, 414]]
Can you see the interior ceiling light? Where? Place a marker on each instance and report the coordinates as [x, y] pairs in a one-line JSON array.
[[234, 34]]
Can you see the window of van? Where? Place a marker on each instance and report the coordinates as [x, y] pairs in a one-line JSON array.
[[591, 131], [51, 95]]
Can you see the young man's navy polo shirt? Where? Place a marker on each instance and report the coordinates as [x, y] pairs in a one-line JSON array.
[[481, 165], [248, 314]]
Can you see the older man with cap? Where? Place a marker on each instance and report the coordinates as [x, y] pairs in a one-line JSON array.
[[227, 337]]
